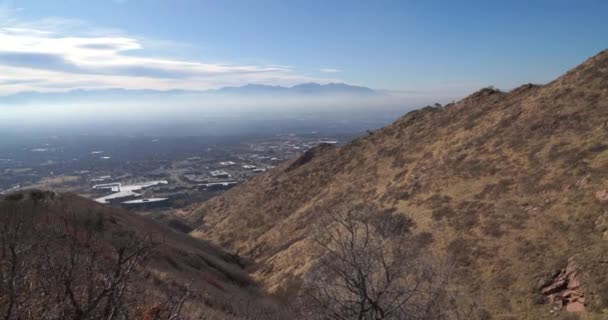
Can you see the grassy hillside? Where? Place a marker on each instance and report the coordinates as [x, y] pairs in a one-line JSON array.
[[66, 257], [510, 186]]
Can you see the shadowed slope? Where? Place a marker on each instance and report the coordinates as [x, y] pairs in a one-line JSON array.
[[54, 233]]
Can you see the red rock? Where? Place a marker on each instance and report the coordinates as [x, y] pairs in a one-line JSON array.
[[571, 294], [575, 306], [601, 195], [573, 283], [564, 289], [582, 183], [556, 286]]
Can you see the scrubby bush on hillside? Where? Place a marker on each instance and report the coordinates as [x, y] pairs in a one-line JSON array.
[[55, 263], [65, 258], [374, 268]]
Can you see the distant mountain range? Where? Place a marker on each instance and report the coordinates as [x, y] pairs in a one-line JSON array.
[[310, 88], [304, 88]]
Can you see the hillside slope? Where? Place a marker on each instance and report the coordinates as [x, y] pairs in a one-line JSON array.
[[76, 242], [511, 186]]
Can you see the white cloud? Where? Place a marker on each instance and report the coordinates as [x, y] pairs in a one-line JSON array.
[[57, 54], [330, 70]]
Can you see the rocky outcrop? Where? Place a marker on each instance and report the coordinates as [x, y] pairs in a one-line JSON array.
[[601, 225], [601, 195], [564, 291]]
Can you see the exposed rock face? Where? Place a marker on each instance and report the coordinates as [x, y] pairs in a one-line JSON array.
[[583, 183], [601, 225], [564, 289], [601, 195]]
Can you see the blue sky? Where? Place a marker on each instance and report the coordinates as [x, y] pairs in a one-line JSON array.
[[445, 48]]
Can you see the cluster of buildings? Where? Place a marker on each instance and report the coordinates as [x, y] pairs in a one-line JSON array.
[[162, 179], [130, 194]]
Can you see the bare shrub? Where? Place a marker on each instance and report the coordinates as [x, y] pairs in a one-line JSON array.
[[372, 270], [56, 263]]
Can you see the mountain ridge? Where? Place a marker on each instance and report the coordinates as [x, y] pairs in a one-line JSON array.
[[309, 88], [503, 183]]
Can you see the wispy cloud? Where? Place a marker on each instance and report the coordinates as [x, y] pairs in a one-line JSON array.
[[330, 70], [58, 54]]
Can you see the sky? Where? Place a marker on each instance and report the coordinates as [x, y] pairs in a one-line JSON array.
[[436, 49]]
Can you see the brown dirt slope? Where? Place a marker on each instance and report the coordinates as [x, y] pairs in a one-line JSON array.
[[504, 182]]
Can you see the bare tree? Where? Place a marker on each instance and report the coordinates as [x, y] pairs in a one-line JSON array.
[[371, 268], [14, 229], [60, 263]]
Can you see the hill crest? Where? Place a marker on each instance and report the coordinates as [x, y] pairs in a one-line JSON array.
[[505, 183], [75, 258]]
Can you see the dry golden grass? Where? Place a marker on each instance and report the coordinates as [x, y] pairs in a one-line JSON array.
[[504, 183], [59, 183]]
